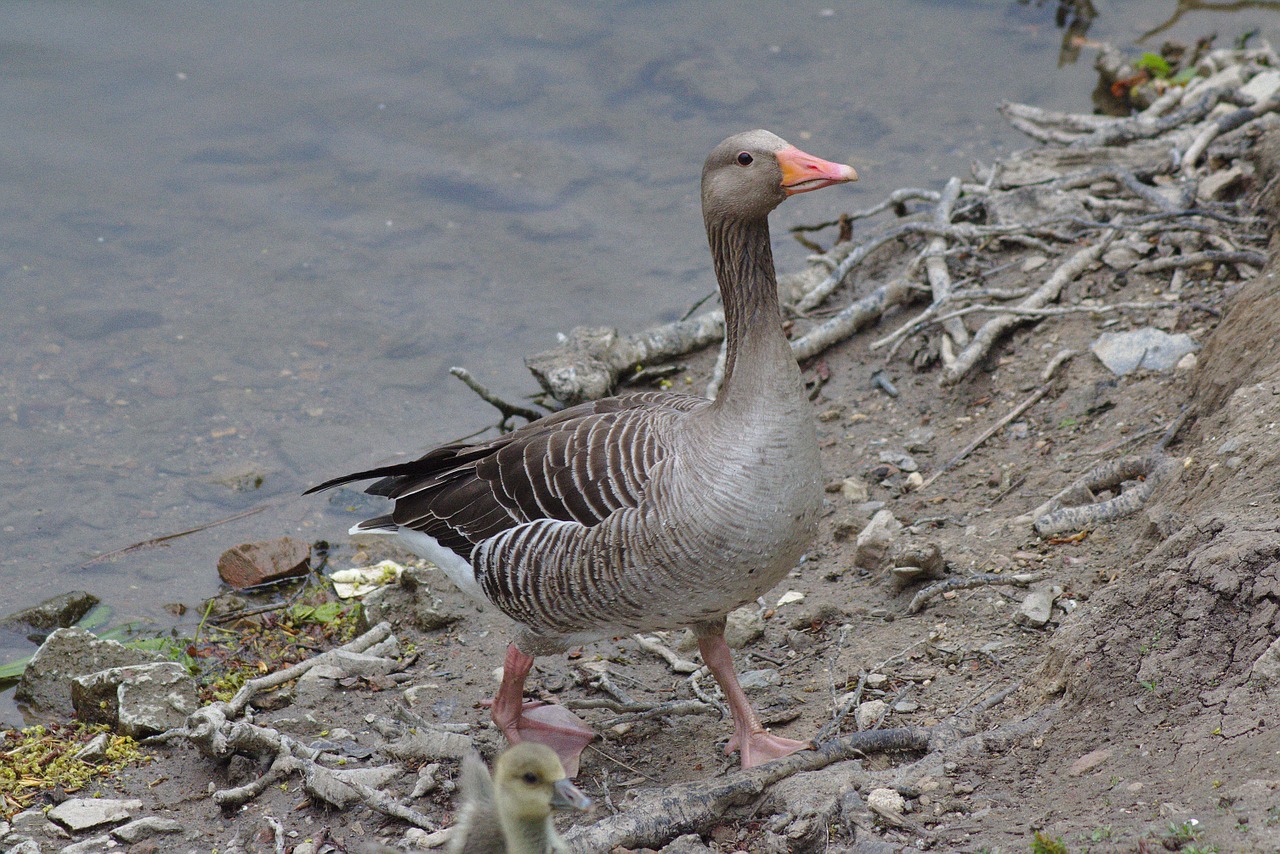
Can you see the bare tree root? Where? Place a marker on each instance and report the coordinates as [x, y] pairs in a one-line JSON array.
[[659, 817], [507, 409], [984, 579], [215, 731], [1056, 515]]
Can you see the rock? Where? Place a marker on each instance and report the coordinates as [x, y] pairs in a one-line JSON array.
[[67, 653], [875, 540], [900, 460], [136, 701], [870, 712], [920, 440], [1037, 607], [251, 564], [887, 803], [1221, 185], [89, 846], [1120, 257], [1187, 363], [77, 814], [758, 680], [854, 489], [1089, 761], [913, 561], [96, 750], [1150, 348], [57, 612], [411, 597], [1266, 668], [791, 597], [690, 843], [743, 626], [22, 845], [146, 827]]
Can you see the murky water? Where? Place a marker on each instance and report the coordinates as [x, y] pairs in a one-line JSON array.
[[245, 242]]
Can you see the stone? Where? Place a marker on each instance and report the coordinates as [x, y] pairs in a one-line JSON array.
[[690, 843], [22, 845], [854, 489], [876, 538], [758, 680], [412, 596], [56, 612], [96, 750], [1120, 257], [1089, 762], [89, 846], [1037, 607], [146, 827], [887, 803], [77, 814], [1150, 348], [1221, 185], [924, 558], [869, 712], [66, 654], [251, 564], [1266, 668], [136, 701]]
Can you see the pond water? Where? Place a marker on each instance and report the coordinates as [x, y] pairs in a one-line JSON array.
[[245, 242]]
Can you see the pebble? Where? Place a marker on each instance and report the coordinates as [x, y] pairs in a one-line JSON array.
[[1037, 607], [145, 827], [743, 626], [854, 489], [790, 597], [870, 712], [1089, 761], [758, 680]]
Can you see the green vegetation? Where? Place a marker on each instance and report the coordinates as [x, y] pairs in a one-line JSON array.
[[39, 758]]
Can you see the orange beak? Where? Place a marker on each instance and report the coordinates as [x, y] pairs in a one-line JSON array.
[[803, 172]]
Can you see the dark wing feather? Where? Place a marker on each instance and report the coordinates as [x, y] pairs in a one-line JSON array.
[[578, 465]]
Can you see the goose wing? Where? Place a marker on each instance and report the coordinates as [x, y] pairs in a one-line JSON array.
[[578, 465]]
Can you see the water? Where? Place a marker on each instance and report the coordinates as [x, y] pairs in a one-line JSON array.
[[245, 242]]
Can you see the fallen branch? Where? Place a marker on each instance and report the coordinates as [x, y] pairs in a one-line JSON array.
[[658, 817], [1053, 517], [508, 410], [987, 335], [985, 579]]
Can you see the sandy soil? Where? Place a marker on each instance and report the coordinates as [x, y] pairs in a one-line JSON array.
[[1145, 703]]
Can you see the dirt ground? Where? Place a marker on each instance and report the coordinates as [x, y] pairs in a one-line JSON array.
[[1142, 716]]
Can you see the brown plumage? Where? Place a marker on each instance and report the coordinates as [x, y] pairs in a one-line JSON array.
[[647, 511]]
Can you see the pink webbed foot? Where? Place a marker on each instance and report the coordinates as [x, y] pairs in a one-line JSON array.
[[763, 746], [754, 743], [544, 723]]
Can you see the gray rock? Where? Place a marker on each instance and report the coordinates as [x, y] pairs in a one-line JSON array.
[[30, 822], [146, 827], [54, 613], [411, 598], [77, 814], [1266, 668], [65, 655], [690, 843], [89, 846], [136, 701], [854, 489], [22, 845], [1150, 348], [874, 541], [96, 750], [758, 680], [900, 459], [1037, 607]]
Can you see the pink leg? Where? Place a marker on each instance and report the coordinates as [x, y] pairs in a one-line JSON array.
[[750, 738], [545, 723]]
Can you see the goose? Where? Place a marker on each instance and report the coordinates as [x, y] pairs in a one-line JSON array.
[[511, 813], [648, 511]]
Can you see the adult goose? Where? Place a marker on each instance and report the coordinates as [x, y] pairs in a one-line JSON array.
[[510, 813], [648, 511]]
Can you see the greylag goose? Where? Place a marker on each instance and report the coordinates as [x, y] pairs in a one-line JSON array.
[[511, 813], [649, 511]]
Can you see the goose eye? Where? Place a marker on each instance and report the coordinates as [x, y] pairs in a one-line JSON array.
[[530, 777], [744, 158]]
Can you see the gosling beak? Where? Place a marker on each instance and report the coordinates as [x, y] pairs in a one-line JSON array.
[[803, 172], [566, 796]]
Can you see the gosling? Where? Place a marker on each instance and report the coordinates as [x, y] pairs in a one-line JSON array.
[[511, 813]]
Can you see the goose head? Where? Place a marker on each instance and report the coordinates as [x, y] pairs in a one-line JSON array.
[[529, 782], [749, 174]]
